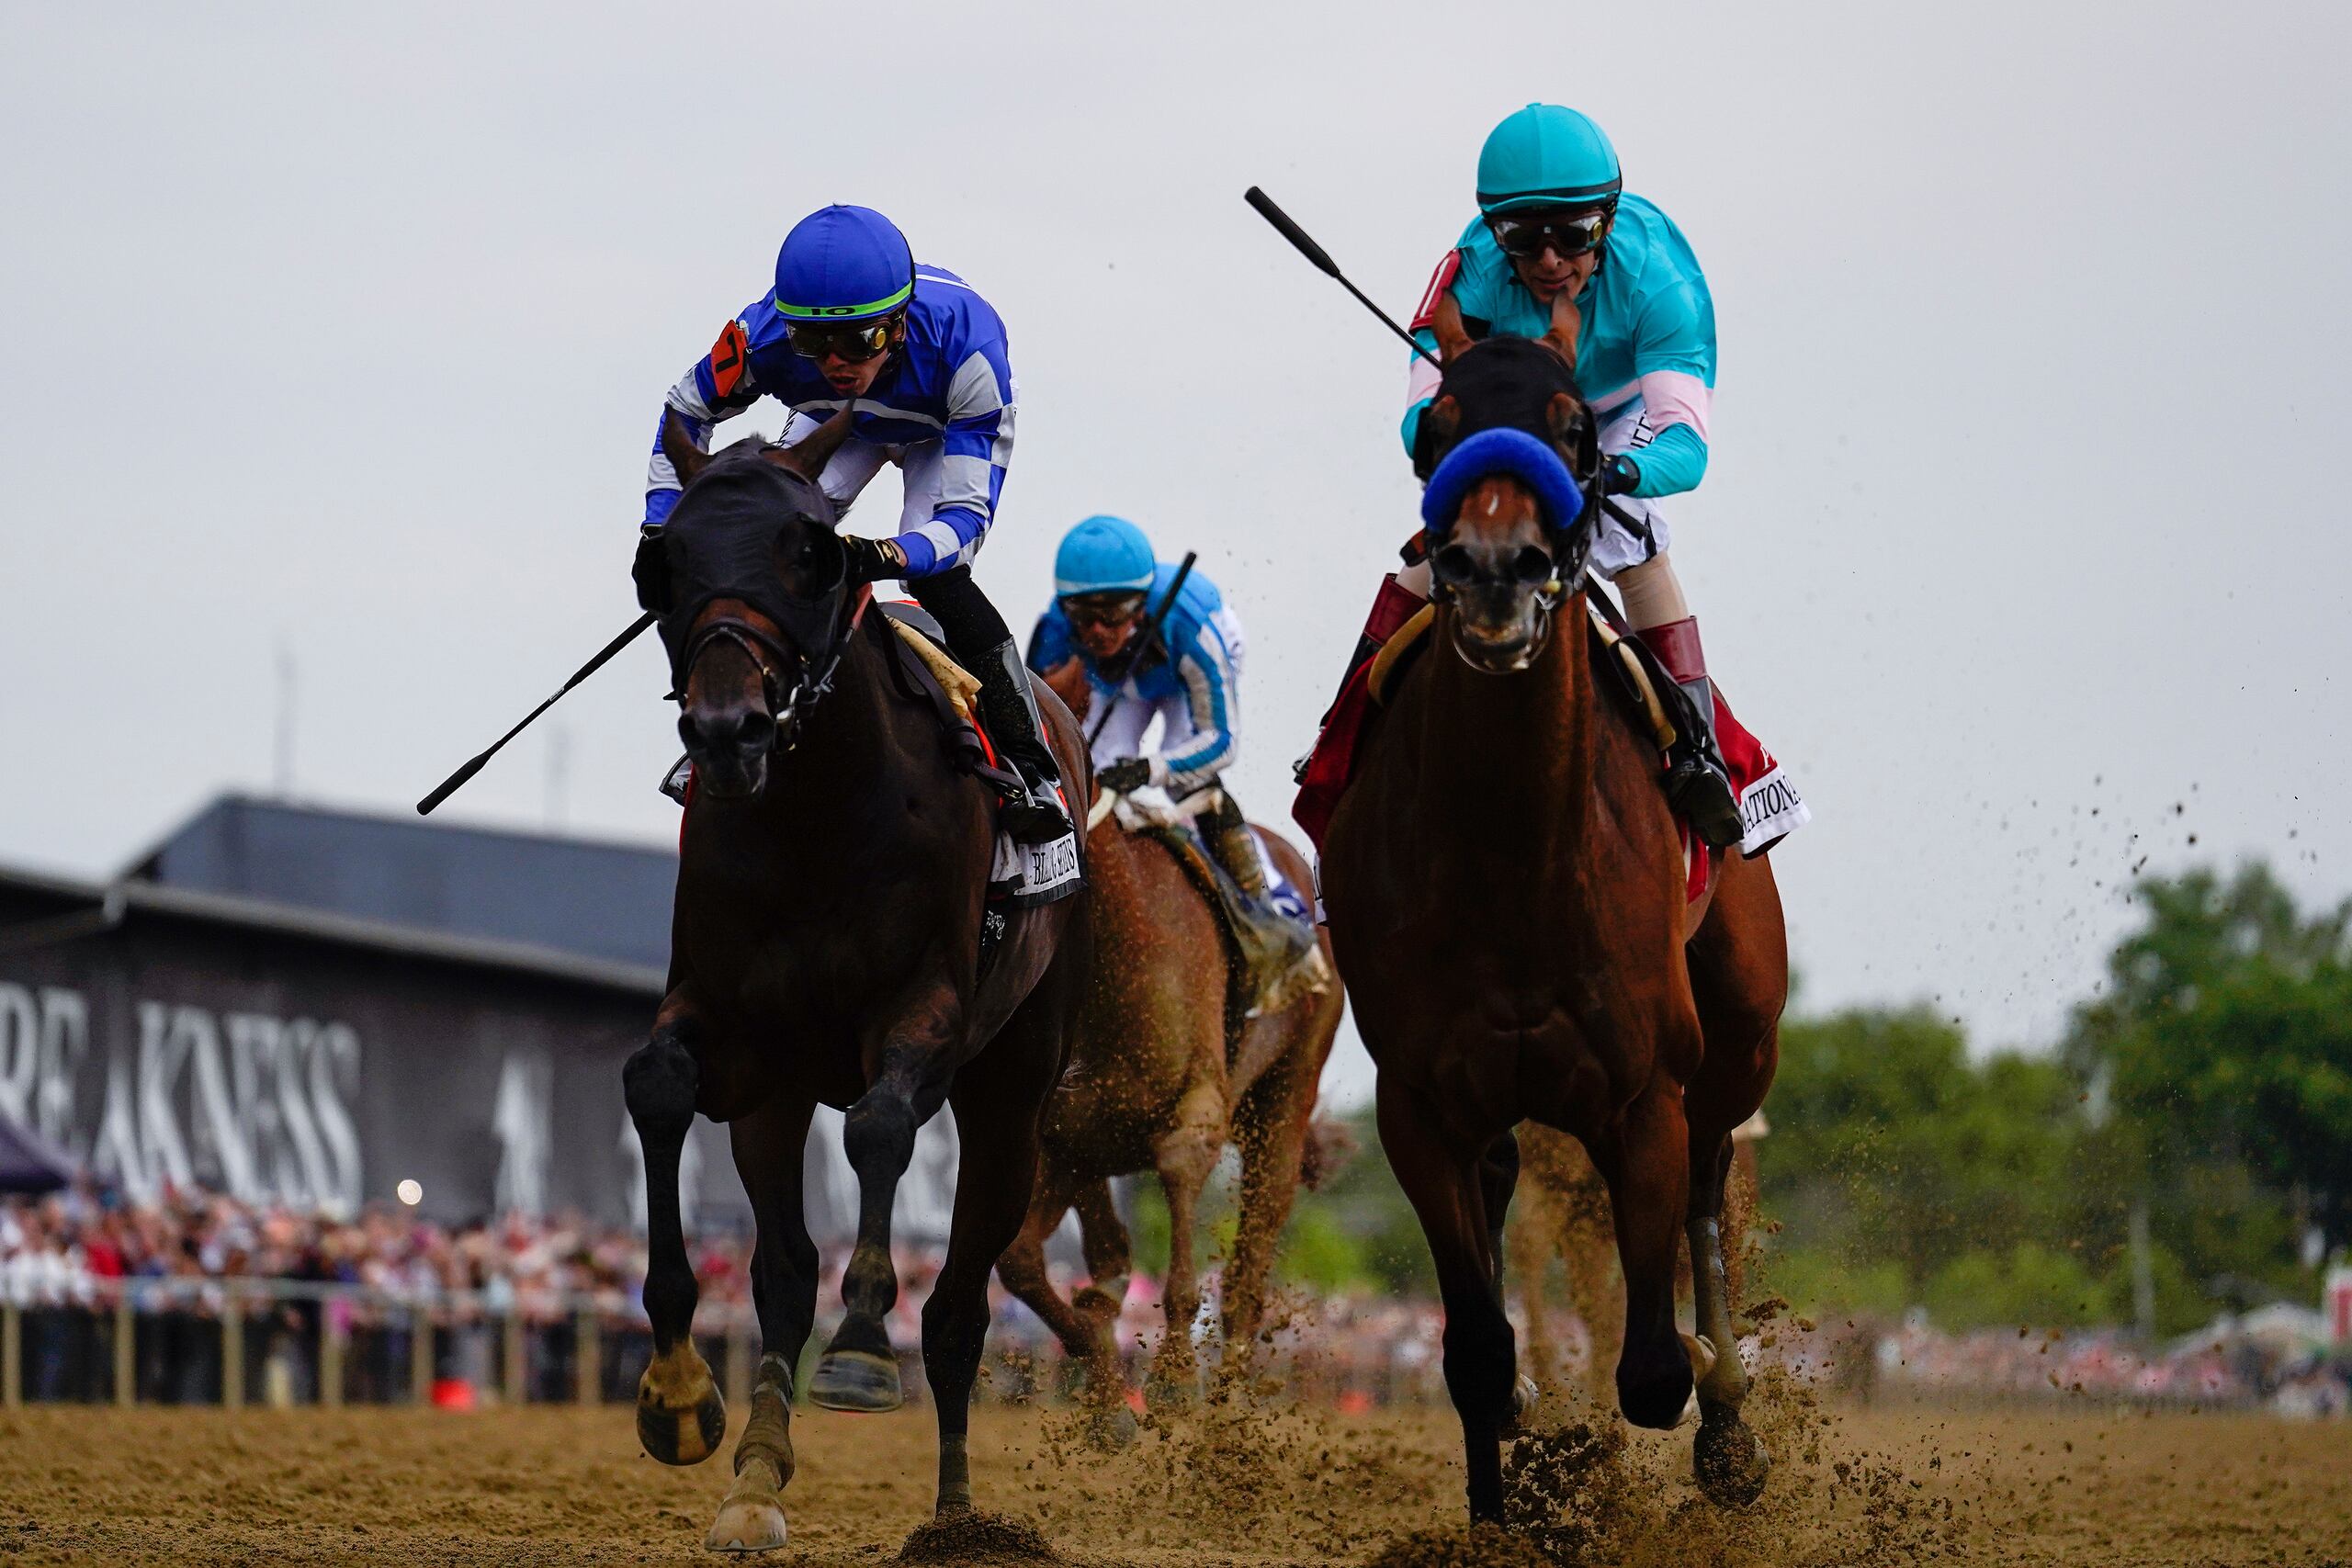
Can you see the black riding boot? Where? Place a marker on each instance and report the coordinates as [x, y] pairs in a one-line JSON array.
[[1698, 781], [1010, 704], [1273, 949]]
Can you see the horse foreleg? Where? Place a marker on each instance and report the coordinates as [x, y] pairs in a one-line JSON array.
[[680, 1416], [1530, 1239], [1647, 1167], [1184, 1157], [768, 1146], [1729, 1462], [998, 1098], [1110, 1255], [859, 1370], [1271, 1128], [1443, 1184], [1498, 1181], [1081, 1332]]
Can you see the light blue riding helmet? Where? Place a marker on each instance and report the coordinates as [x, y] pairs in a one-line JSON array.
[[843, 264], [1546, 156], [1103, 555]]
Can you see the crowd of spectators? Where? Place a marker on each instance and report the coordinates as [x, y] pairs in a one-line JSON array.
[[491, 1287], [2276, 1363]]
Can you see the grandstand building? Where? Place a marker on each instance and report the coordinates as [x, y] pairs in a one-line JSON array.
[[313, 1006]]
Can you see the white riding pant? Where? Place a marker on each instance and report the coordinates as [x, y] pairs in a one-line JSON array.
[[854, 464], [1130, 716]]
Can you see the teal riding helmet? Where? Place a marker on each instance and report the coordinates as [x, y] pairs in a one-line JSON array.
[[1103, 555], [1546, 156]]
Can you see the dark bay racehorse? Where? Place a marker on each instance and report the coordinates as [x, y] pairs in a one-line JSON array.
[[826, 949], [1165, 1071], [1505, 901]]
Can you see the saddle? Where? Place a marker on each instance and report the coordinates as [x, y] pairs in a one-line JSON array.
[[1022, 876], [1150, 813]]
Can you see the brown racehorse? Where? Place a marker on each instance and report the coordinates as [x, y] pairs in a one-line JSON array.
[[1561, 1210], [826, 948], [1505, 896], [1165, 1071]]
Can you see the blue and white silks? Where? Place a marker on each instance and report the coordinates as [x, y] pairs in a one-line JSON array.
[[1194, 691], [942, 410]]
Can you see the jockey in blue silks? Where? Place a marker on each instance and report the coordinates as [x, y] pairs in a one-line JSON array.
[[852, 316], [1559, 250], [1107, 583]]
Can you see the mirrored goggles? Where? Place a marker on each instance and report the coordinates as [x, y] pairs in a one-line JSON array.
[[1107, 611], [853, 341], [1528, 234]]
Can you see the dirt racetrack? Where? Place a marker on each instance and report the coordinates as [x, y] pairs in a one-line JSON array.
[[566, 1485]]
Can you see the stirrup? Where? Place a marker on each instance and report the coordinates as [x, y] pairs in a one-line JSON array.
[[1703, 796], [1034, 816]]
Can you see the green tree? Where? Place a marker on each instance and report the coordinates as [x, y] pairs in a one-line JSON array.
[[2222, 1054]]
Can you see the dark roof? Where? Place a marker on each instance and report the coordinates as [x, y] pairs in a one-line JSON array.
[[598, 901], [69, 911]]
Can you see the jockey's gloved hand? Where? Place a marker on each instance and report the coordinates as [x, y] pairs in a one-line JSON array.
[[1619, 475], [650, 570], [873, 560], [1125, 776]]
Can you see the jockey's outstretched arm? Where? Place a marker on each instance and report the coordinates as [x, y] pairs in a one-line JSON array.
[[703, 397]]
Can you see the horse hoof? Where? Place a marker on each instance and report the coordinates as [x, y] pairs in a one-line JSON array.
[[746, 1524], [1702, 1353], [1659, 1401], [857, 1381], [1523, 1395], [1729, 1462], [680, 1417]]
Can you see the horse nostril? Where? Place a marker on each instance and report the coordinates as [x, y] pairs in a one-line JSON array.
[[747, 732], [1532, 565], [1453, 564], [755, 733]]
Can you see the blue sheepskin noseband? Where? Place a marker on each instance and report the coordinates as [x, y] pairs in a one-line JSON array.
[[1502, 451]]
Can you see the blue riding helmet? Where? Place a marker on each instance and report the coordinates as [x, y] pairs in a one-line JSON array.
[[843, 264], [1546, 156], [1103, 555]]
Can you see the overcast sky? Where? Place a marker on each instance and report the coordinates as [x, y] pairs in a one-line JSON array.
[[340, 335]]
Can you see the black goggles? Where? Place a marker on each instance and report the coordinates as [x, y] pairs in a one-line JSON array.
[[1102, 609], [1528, 234], [861, 340]]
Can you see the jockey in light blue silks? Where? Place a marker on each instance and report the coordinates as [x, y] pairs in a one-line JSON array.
[[1559, 250], [1107, 585], [853, 316]]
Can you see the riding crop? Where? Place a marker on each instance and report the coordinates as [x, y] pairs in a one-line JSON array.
[[1323, 263], [456, 780], [1153, 632]]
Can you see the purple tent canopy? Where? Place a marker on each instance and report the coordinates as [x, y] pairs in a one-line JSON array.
[[30, 1163]]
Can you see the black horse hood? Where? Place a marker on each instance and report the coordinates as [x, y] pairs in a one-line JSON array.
[[721, 542]]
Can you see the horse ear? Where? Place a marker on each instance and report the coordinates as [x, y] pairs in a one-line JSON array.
[[678, 445], [1452, 337], [808, 456]]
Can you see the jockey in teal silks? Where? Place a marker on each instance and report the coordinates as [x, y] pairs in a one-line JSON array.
[[1558, 250], [1107, 586], [853, 317]]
